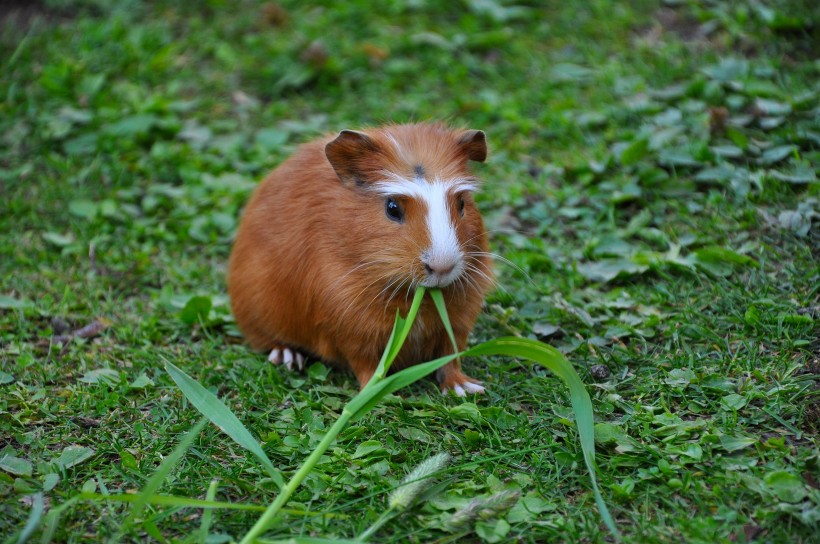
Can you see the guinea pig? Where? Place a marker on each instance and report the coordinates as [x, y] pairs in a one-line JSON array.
[[336, 239]]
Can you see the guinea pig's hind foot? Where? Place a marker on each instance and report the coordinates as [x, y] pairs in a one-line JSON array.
[[464, 389], [292, 359], [459, 383]]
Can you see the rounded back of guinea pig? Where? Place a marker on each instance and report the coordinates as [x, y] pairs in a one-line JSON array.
[[415, 221]]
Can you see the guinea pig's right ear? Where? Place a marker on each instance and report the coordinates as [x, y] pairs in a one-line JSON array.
[[346, 154]]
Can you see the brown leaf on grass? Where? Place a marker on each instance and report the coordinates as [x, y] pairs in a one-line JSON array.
[[274, 14], [63, 338], [751, 531], [718, 118], [95, 328]]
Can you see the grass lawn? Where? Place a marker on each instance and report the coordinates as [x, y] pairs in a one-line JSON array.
[[652, 185]]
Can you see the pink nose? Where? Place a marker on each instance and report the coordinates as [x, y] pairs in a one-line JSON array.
[[438, 269]]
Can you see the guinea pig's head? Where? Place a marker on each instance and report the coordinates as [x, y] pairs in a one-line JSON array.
[[414, 195]]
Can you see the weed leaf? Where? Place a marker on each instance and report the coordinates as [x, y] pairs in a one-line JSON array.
[[220, 415]]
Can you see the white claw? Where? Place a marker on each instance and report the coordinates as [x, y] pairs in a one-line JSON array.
[[459, 391], [290, 358], [275, 356], [287, 358]]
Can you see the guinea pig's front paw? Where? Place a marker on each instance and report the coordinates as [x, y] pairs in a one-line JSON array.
[[292, 359], [459, 383]]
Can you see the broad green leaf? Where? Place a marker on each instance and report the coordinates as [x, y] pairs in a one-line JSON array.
[[733, 402], [50, 481], [569, 72], [680, 377], [728, 69], [607, 433], [787, 486], [772, 107], [368, 447], [634, 152], [794, 221], [15, 465], [719, 174], [133, 125], [73, 455], [720, 261], [83, 208], [141, 382], [727, 151], [220, 415], [467, 411], [57, 239], [5, 377], [9, 303], [802, 173], [271, 139], [196, 309], [107, 376], [678, 156], [776, 154], [734, 443], [414, 434], [609, 269]]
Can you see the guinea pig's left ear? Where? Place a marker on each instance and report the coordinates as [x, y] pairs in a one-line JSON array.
[[347, 153], [474, 144]]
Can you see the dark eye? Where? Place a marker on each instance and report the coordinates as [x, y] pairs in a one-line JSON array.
[[393, 211], [461, 206]]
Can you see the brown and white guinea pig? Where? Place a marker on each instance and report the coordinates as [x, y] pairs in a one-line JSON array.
[[334, 241]]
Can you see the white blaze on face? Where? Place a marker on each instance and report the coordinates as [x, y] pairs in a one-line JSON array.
[[443, 259]]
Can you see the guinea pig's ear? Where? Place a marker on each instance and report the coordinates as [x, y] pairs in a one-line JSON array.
[[474, 144], [346, 152]]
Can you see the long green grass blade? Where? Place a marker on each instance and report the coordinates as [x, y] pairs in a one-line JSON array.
[[220, 415], [37, 507], [52, 519], [174, 500], [406, 325], [551, 358], [208, 514], [371, 395], [438, 300], [308, 540], [381, 368], [159, 476], [187, 502]]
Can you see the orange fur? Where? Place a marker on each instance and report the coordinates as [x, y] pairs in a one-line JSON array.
[[318, 267]]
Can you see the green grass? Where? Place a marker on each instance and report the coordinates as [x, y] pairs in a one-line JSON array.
[[653, 173]]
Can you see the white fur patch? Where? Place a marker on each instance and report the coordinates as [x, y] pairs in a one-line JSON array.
[[444, 253], [395, 185]]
